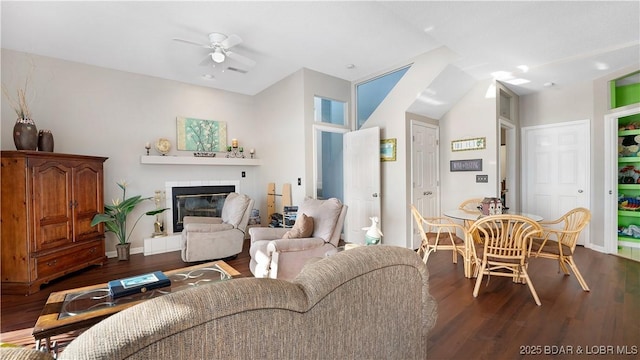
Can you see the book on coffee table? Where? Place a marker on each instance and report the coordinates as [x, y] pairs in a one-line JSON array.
[[138, 284]]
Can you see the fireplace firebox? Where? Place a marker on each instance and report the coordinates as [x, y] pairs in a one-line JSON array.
[[198, 201]]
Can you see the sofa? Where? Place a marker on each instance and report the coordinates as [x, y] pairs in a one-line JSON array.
[[371, 302], [276, 256]]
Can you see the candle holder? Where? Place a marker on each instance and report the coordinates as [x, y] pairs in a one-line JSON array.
[[235, 151], [148, 147]]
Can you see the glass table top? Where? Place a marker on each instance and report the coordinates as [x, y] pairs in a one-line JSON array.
[[77, 303]]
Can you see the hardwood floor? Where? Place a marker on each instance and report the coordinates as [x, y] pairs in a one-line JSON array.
[[503, 322]]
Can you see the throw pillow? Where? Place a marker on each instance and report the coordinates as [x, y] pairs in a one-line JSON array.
[[234, 208], [325, 214], [302, 228]]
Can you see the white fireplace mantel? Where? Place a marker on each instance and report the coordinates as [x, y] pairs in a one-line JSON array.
[[193, 160]]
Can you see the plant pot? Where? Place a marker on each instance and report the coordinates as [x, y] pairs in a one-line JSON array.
[[124, 251], [25, 135], [45, 140]]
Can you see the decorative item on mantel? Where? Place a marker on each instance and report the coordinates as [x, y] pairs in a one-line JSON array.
[[163, 146], [234, 151], [45, 140], [204, 154], [115, 219], [147, 147], [252, 152]]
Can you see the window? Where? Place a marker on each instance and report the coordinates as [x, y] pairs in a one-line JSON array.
[[329, 163], [331, 116], [370, 94], [330, 111]]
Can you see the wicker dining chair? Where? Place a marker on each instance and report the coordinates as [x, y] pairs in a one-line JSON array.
[[505, 250], [439, 233], [472, 206], [559, 240]]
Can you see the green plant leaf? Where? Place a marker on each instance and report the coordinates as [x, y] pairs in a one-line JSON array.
[[101, 218], [156, 211]]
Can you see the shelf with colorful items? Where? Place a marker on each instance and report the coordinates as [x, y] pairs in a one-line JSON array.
[[629, 141], [629, 204], [628, 188]]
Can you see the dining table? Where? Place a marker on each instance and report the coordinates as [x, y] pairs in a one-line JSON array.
[[469, 218]]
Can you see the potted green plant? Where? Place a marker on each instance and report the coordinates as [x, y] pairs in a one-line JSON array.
[[115, 217]]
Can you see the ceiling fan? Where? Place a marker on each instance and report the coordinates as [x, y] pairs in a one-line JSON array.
[[220, 46]]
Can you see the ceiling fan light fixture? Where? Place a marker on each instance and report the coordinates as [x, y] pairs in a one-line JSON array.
[[218, 56]]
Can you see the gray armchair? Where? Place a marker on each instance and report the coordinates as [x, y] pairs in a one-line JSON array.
[[275, 257], [206, 238]]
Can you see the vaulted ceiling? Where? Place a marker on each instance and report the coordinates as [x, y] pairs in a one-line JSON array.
[[526, 43]]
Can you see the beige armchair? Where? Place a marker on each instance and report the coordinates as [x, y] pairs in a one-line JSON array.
[[277, 257], [205, 238]]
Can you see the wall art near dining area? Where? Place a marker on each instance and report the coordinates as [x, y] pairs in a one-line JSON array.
[[465, 165], [201, 135]]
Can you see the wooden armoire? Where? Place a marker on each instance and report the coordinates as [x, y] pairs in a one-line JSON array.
[[48, 202]]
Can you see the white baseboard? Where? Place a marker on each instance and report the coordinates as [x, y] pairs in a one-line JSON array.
[[112, 254]]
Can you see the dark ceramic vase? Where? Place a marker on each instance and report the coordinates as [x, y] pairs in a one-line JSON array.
[[123, 251], [45, 140], [25, 135]]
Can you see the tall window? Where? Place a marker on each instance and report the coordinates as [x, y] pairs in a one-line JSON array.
[[331, 124], [370, 94]]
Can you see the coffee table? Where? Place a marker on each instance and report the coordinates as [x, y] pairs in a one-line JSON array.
[[79, 308]]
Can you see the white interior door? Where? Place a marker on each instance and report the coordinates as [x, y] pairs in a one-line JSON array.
[[556, 170], [425, 173], [361, 181]]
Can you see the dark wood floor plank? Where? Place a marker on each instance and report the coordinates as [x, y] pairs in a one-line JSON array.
[[503, 322]]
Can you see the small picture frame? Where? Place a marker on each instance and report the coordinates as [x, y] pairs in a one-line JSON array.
[[388, 149], [469, 144]]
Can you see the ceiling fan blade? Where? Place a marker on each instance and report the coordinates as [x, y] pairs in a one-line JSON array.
[[241, 58], [231, 41], [192, 43]]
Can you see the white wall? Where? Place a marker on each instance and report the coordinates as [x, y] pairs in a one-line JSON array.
[[472, 117], [97, 111], [560, 103], [280, 113]]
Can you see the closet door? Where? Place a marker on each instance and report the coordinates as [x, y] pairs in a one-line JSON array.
[[556, 170]]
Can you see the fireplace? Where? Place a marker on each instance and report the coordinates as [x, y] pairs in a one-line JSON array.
[[195, 198]]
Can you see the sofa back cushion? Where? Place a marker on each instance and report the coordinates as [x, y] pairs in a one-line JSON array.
[[386, 288], [235, 205], [325, 215]]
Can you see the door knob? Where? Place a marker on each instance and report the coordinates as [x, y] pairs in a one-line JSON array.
[[580, 191], [375, 195], [427, 193]]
